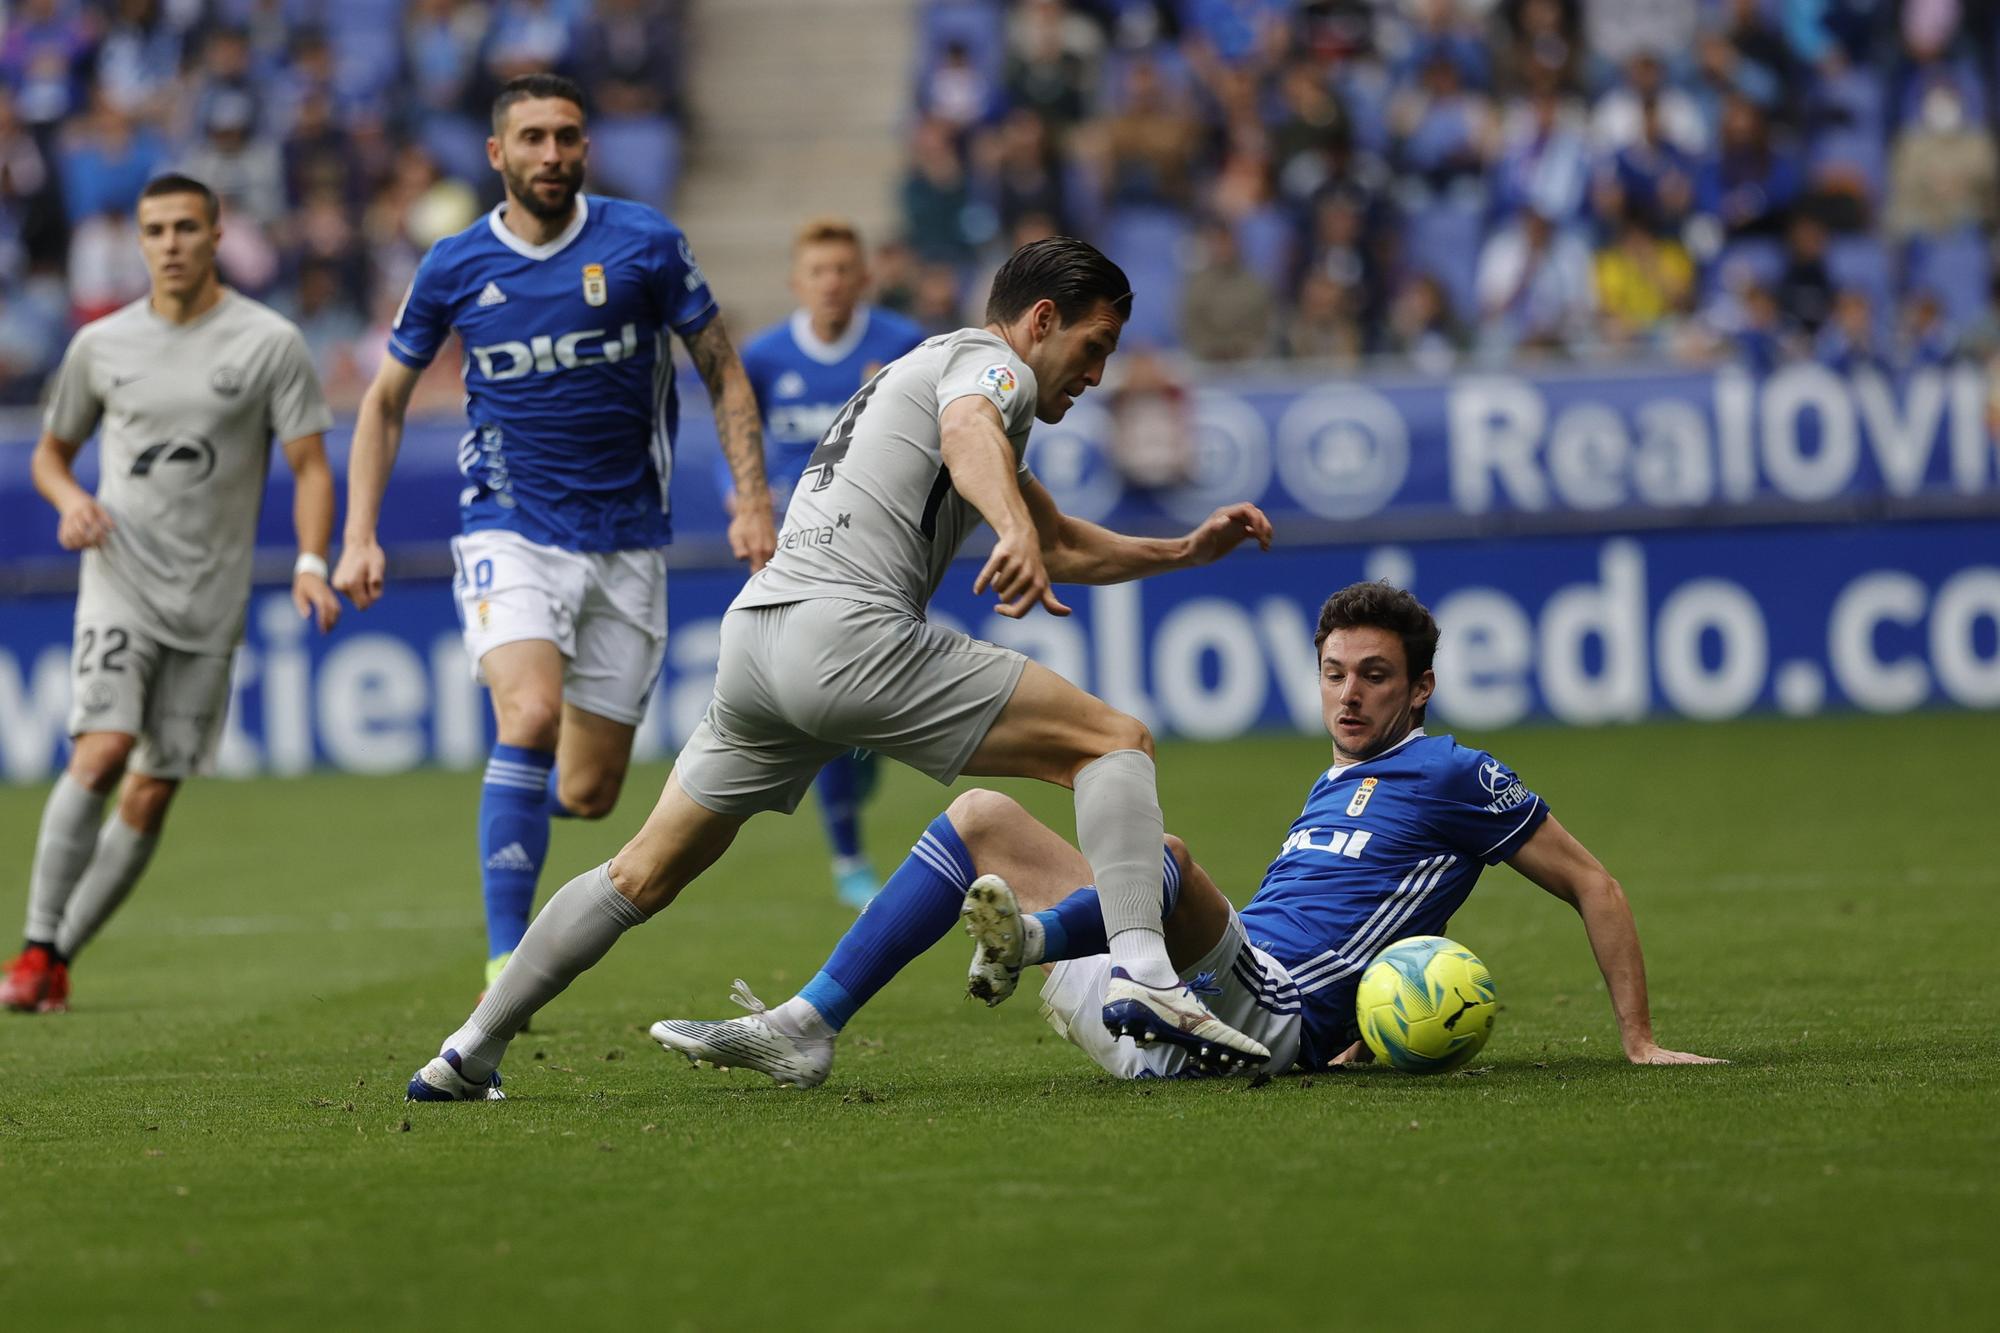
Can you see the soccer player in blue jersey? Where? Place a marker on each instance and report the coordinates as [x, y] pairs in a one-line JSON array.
[[1391, 840], [803, 371], [563, 302]]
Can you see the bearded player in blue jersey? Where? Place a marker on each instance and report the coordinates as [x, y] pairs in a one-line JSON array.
[[1392, 839], [803, 371], [564, 303]]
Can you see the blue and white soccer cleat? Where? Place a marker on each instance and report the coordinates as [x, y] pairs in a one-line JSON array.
[[444, 1080], [1177, 1016], [750, 1042], [854, 881], [993, 918]]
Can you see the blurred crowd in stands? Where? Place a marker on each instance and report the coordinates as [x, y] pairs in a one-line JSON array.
[[1450, 182], [344, 136], [1422, 183]]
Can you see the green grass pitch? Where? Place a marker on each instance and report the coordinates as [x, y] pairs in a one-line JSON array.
[[216, 1136]]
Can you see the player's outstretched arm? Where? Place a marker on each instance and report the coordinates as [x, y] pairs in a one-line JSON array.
[[1555, 860], [1078, 551], [980, 460], [81, 522], [753, 534], [378, 436], [312, 521]]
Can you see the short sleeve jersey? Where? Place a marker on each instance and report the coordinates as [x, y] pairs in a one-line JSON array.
[[187, 414], [874, 517], [1384, 849], [801, 383], [569, 381]]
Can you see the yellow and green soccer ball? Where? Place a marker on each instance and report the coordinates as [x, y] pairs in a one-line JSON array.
[[1426, 1004]]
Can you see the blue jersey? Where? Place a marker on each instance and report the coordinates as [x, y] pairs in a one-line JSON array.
[[802, 383], [569, 382], [1384, 849]]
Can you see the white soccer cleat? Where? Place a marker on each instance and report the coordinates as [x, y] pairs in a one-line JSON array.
[[993, 918], [1178, 1016], [444, 1080], [750, 1042]]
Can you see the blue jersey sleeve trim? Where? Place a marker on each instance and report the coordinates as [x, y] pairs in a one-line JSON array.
[[1520, 833], [408, 357], [687, 328]]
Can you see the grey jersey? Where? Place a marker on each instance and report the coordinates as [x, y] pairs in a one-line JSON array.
[[188, 413], [874, 518]]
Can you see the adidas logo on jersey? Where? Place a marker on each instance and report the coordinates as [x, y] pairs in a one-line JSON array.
[[492, 295], [511, 857]]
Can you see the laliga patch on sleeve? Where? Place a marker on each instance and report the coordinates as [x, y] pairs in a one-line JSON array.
[[999, 381]]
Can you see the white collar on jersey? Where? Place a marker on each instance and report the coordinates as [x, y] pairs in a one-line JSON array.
[[1339, 769], [829, 353], [546, 248]]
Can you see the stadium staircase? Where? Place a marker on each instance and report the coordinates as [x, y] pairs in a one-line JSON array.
[[796, 107]]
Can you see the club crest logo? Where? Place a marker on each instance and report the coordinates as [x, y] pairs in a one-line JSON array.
[[1361, 797], [999, 379], [226, 381], [595, 290]]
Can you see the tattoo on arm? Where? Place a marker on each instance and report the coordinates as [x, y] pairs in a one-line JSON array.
[[737, 420]]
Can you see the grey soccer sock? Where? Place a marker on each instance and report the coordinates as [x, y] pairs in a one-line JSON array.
[[62, 850], [121, 857], [1119, 828], [577, 927]]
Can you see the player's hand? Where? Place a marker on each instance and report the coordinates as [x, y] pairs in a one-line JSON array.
[[753, 536], [1017, 576], [84, 524], [360, 574], [1651, 1054], [315, 601], [1226, 529], [1357, 1054]]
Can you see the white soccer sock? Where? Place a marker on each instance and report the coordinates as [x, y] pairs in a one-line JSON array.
[[577, 927], [1119, 829], [62, 850], [797, 1017], [121, 857], [1034, 939]]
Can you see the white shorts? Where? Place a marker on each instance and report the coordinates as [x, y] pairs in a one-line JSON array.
[[1257, 998], [172, 701], [606, 612]]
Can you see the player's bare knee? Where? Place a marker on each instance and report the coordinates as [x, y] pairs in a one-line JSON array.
[[528, 719], [590, 796], [99, 760], [980, 814], [1126, 732], [643, 883], [143, 804]]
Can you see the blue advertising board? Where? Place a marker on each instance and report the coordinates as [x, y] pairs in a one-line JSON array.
[[1578, 628], [1383, 459]]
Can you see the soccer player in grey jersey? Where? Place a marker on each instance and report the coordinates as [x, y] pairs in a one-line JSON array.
[[187, 388], [827, 649]]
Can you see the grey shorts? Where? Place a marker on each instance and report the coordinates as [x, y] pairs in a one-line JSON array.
[[796, 685], [173, 701]]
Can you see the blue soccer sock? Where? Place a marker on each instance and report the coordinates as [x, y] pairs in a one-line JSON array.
[[915, 910], [513, 840], [553, 798], [1074, 927], [838, 786]]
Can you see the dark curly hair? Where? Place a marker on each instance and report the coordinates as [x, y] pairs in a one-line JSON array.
[[1382, 606]]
